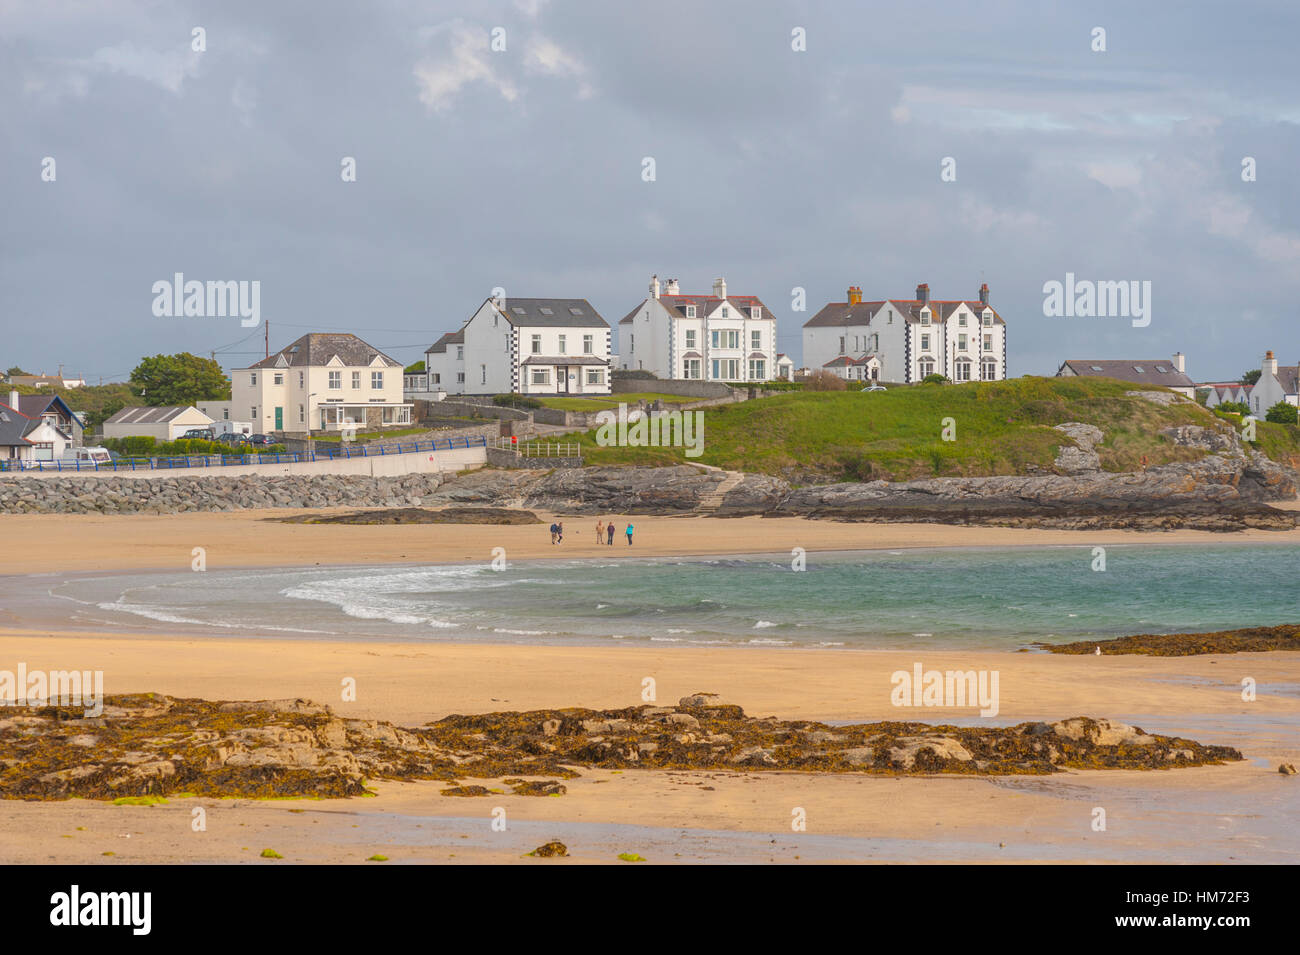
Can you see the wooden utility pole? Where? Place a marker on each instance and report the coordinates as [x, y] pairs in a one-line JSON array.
[[266, 328]]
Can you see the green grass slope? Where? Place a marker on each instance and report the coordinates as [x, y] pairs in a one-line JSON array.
[[1003, 427]]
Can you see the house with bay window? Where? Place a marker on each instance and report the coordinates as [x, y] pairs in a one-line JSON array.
[[320, 382], [718, 337], [903, 340], [529, 346]]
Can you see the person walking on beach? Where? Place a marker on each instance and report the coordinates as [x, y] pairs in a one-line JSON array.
[[610, 531], [629, 535], [600, 531], [555, 532], [559, 530]]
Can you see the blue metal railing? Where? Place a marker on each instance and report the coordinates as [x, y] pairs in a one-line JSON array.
[[238, 460]]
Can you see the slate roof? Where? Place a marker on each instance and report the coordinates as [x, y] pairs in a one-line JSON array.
[[552, 313], [861, 313], [318, 348], [157, 415], [13, 425], [448, 338], [564, 360], [704, 305], [1156, 371], [36, 405]]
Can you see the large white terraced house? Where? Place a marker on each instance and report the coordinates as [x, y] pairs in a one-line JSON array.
[[718, 337], [903, 340]]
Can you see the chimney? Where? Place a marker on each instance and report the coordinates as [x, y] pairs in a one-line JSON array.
[[673, 288], [923, 294], [855, 295], [13, 399], [1180, 362], [654, 286], [984, 294], [1270, 363], [720, 287]]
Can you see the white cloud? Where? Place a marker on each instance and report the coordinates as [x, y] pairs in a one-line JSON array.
[[468, 60], [167, 69], [548, 58]]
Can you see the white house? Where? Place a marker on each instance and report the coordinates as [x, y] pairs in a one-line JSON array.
[[30, 438], [1221, 391], [1137, 371], [718, 337], [321, 382], [165, 423], [1276, 384], [784, 367], [903, 340], [530, 346]]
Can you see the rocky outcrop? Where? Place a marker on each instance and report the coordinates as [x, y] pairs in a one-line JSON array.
[[1246, 640], [1082, 455], [149, 745]]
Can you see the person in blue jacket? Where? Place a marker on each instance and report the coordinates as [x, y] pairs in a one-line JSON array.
[[629, 535]]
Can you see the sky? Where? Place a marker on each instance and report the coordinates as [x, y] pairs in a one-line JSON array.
[[524, 168]]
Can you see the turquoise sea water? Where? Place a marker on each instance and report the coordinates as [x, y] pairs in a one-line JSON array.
[[880, 599]]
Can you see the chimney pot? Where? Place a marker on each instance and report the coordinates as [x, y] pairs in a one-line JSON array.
[[720, 287], [984, 293]]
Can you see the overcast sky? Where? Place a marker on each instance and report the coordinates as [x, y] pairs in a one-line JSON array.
[[775, 168]]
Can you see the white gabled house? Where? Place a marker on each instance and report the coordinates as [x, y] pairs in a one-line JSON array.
[[321, 382], [29, 438], [530, 346], [784, 367], [1277, 383], [718, 337], [903, 340]]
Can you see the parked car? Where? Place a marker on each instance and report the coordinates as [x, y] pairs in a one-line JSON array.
[[232, 438], [875, 387], [201, 434], [259, 440]]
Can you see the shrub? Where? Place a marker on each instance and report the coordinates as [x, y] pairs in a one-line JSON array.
[[1282, 413], [1232, 407], [782, 385], [824, 381], [134, 446], [935, 379]]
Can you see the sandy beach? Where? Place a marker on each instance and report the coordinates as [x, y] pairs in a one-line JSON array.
[[664, 816]]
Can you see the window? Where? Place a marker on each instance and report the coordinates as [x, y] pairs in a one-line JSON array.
[[841, 344], [724, 311], [757, 369], [252, 412], [252, 379], [961, 342], [1139, 369], [961, 320], [435, 379], [726, 369], [336, 380], [691, 369], [356, 379], [988, 370], [755, 312], [301, 383], [988, 342], [278, 378], [593, 376], [963, 371], [588, 344], [541, 376], [756, 340], [483, 371], [988, 319], [690, 311], [376, 380], [574, 311], [925, 343], [460, 352], [546, 311], [302, 414], [225, 414], [690, 338], [460, 378], [517, 310], [925, 318], [927, 367], [537, 344], [563, 346], [633, 340]]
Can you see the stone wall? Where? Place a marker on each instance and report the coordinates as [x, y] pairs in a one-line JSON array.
[[501, 458], [673, 386]]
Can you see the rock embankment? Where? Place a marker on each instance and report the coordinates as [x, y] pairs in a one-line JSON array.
[[1246, 640], [148, 745]]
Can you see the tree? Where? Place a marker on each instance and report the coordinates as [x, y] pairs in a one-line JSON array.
[[415, 369], [15, 370], [179, 380], [1251, 377], [1282, 413], [935, 379]]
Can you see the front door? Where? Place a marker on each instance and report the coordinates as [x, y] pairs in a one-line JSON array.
[[279, 419], [562, 379]]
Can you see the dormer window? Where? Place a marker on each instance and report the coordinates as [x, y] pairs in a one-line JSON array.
[[988, 318], [755, 312], [690, 311], [925, 318]]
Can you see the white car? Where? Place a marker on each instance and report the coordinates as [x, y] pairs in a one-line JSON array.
[[875, 387]]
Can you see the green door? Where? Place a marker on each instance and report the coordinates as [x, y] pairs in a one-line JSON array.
[[279, 419]]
